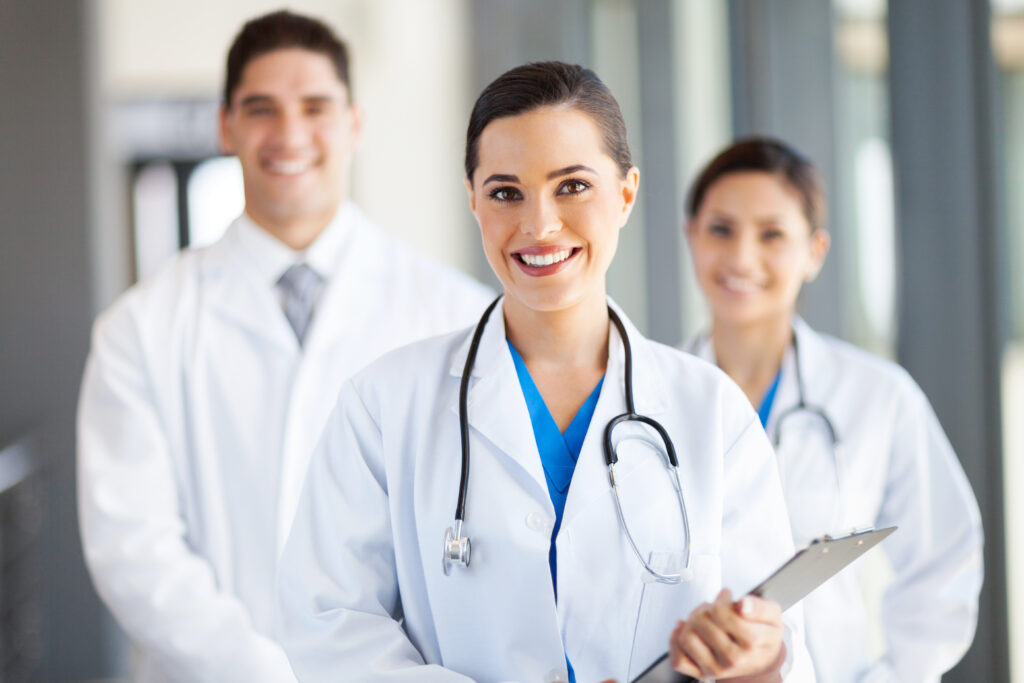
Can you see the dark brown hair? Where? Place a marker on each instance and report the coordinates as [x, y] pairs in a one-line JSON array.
[[766, 155], [277, 31], [541, 84]]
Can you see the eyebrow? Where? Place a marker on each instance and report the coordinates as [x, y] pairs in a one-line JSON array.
[[570, 169], [507, 178], [257, 99]]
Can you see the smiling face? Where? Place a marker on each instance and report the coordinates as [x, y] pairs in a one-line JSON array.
[[292, 127], [550, 203], [753, 247]]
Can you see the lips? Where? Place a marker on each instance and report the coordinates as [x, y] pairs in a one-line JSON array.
[[542, 261], [739, 285], [288, 166]]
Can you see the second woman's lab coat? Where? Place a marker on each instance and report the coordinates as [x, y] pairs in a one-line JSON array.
[[895, 467], [364, 553]]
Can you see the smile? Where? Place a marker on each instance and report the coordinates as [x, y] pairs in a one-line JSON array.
[[740, 285], [539, 261], [289, 167]]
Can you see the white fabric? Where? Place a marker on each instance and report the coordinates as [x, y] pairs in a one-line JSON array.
[[197, 417], [365, 550], [895, 466]]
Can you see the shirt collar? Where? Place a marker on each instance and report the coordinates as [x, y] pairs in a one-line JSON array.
[[271, 257]]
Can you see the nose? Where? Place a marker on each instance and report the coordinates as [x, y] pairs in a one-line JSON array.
[[743, 252], [292, 130], [541, 218]]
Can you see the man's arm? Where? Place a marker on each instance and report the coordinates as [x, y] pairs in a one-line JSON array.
[[163, 594]]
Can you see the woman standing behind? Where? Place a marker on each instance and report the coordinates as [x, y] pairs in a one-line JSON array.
[[553, 588], [856, 440]]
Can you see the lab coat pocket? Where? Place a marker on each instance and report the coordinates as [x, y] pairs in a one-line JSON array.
[[662, 605]]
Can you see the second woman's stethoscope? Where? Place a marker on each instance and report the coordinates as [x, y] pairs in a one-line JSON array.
[[801, 406], [457, 547]]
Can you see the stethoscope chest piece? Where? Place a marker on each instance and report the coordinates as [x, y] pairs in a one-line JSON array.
[[457, 548]]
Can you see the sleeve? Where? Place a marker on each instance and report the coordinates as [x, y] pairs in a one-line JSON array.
[[930, 610], [337, 585], [134, 538], [756, 537]]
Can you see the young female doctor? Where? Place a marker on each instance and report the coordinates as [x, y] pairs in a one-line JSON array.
[[857, 442], [545, 572]]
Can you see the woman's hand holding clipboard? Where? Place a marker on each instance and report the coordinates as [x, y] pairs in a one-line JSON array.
[[790, 583]]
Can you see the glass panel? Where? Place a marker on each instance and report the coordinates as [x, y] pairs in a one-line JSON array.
[[155, 214], [215, 198], [864, 194], [1008, 49]]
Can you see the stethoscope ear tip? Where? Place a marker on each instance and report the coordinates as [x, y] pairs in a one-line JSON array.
[[686, 574]]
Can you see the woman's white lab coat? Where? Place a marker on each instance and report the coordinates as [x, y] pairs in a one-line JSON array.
[[197, 418], [364, 553], [893, 466]]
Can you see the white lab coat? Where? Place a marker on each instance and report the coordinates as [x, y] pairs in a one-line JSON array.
[[196, 398], [895, 467], [365, 549]]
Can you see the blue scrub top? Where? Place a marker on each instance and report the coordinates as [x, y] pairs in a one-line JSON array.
[[558, 452], [769, 398]]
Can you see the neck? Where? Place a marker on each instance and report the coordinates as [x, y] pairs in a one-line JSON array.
[[573, 337], [751, 354], [297, 232]]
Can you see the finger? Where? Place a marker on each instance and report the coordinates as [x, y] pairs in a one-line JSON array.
[[753, 608], [714, 630], [678, 659], [691, 645]]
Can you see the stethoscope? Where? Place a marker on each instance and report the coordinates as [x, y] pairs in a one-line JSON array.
[[457, 547], [801, 406]]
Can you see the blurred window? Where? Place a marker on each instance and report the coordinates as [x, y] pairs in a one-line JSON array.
[[864, 191], [155, 217], [1008, 50], [215, 198]]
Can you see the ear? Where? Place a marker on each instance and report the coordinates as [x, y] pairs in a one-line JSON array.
[[356, 112], [820, 243], [224, 130], [471, 196], [630, 190]]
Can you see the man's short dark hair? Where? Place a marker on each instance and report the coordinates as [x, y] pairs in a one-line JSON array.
[[278, 31]]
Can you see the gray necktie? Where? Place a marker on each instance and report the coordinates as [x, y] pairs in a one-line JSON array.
[[300, 285]]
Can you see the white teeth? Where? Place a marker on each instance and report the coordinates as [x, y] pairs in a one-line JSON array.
[[540, 260], [290, 167], [739, 284]]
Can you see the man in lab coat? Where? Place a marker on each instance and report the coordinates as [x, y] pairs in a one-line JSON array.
[[207, 386]]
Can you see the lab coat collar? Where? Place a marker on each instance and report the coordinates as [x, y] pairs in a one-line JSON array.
[[498, 411], [815, 367], [241, 269]]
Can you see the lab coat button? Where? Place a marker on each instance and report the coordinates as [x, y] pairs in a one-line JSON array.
[[536, 521], [554, 676]]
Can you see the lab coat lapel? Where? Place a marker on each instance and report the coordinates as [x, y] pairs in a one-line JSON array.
[[496, 407], [590, 480], [233, 291], [344, 306]]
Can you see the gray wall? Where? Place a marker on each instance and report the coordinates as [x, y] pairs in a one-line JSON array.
[[46, 298]]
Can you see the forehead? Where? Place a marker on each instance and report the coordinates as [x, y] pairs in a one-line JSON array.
[[288, 72], [753, 192], [539, 141]]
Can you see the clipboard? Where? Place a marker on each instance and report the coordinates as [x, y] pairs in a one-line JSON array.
[[791, 583]]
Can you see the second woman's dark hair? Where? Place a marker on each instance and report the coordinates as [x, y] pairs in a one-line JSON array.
[[542, 84], [766, 155]]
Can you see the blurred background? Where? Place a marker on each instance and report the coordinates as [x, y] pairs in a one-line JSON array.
[[914, 111]]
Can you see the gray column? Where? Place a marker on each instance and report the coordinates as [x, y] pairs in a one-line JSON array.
[[949, 267], [783, 71], [46, 307]]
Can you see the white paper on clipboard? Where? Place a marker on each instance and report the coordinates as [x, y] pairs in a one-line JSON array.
[[791, 583]]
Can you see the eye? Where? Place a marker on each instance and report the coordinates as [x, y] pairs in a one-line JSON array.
[[720, 229], [772, 235], [505, 194], [259, 111], [573, 186]]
